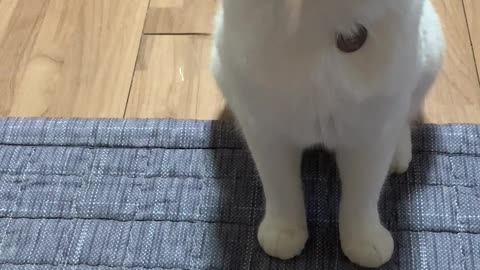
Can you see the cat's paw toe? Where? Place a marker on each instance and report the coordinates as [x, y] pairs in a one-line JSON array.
[[281, 239], [371, 248]]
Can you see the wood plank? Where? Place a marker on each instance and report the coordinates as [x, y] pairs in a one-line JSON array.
[[7, 7], [26, 19], [172, 80], [455, 97], [180, 16], [72, 58], [472, 11]]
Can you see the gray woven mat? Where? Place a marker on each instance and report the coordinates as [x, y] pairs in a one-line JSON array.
[[165, 194]]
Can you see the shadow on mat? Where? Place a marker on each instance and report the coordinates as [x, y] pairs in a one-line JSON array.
[[235, 235], [403, 202], [240, 208]]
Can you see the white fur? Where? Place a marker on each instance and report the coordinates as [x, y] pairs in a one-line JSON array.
[[290, 90]]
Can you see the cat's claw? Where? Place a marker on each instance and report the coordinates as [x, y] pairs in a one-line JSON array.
[[282, 239], [369, 248]]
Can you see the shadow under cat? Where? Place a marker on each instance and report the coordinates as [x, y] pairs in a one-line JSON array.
[[241, 208]]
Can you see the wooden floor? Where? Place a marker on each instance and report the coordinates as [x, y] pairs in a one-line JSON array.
[[149, 58]]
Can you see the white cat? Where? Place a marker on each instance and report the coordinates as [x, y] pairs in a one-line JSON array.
[[282, 68]]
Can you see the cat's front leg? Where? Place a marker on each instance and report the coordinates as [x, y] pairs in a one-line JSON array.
[[283, 231], [363, 170]]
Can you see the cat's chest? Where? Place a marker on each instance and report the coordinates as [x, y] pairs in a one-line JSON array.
[[302, 113]]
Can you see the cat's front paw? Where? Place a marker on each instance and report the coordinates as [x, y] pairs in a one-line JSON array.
[[403, 156], [371, 247], [401, 162], [282, 239]]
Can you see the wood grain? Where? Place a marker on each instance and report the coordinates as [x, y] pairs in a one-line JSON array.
[[69, 58], [18, 29], [7, 8], [455, 97], [77, 58], [472, 11], [180, 16], [173, 80]]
